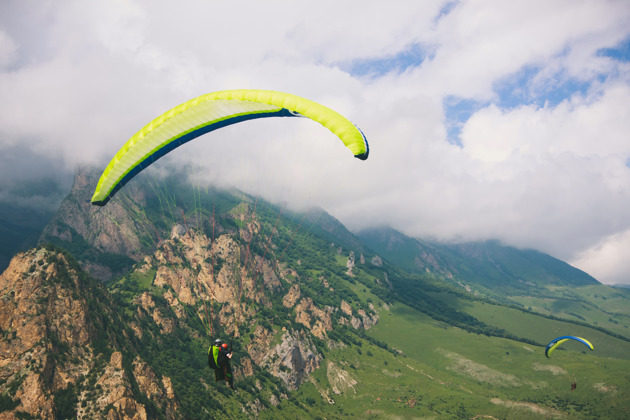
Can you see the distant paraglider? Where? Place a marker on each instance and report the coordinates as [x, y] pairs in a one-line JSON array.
[[210, 112], [558, 341]]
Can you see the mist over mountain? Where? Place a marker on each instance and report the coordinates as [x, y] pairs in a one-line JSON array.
[[25, 209], [486, 266]]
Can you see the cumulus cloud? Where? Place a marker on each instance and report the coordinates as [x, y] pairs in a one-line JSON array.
[[608, 258], [538, 159], [42, 185]]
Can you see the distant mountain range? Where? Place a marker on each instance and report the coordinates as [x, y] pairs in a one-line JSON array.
[[486, 266]]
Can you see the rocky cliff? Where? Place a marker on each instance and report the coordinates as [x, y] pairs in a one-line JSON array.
[[69, 349], [100, 238], [241, 288], [59, 357], [134, 346]]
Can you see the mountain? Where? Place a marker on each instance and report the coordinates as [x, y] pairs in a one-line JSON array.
[[202, 276], [481, 266], [322, 325], [526, 279]]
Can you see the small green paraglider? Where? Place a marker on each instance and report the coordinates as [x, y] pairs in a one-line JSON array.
[[557, 341]]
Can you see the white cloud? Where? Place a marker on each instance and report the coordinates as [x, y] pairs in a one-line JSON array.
[[607, 259], [591, 126], [79, 78], [8, 49]]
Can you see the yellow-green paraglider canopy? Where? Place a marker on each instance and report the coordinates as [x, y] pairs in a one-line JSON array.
[[208, 113]]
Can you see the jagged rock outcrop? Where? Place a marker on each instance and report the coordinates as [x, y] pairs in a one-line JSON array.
[[51, 363], [350, 264], [292, 296], [156, 388], [294, 359], [42, 312], [146, 301], [317, 320], [339, 379], [195, 268], [116, 401], [364, 320], [377, 261]]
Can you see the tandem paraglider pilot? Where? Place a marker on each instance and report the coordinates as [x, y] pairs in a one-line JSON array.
[[219, 355]]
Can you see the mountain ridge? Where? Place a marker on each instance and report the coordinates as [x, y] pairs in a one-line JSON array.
[[493, 263]]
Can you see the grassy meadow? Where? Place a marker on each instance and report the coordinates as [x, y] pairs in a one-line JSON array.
[[438, 371], [599, 305]]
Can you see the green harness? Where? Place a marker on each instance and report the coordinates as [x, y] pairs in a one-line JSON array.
[[213, 357]]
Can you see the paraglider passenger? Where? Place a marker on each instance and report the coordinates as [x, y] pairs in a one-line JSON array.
[[219, 356]]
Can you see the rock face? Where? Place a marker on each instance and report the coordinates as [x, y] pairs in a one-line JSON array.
[[377, 261], [339, 379], [54, 320], [38, 315], [186, 265], [51, 320], [293, 360], [350, 264], [295, 357], [109, 229]]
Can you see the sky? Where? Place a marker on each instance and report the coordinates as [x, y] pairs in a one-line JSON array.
[[486, 119]]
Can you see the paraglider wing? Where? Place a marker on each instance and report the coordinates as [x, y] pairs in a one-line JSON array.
[[557, 341], [210, 112]]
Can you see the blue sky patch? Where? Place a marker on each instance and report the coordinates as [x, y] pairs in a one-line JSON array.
[[621, 52], [517, 89], [445, 10], [520, 89], [457, 111], [375, 67]]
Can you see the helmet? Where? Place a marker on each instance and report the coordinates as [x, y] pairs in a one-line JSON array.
[[217, 342], [224, 346]]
